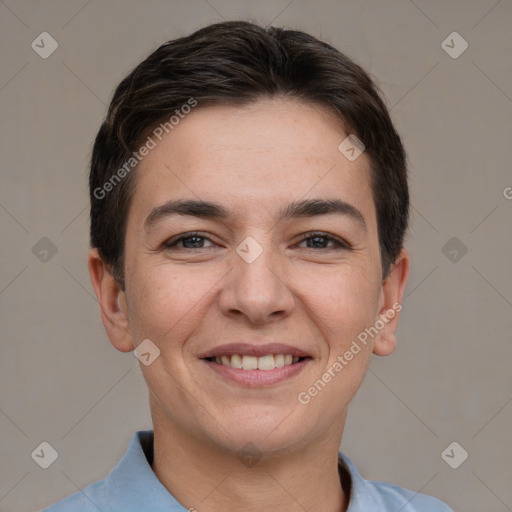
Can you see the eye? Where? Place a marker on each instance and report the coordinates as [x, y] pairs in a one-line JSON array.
[[319, 240], [314, 240], [186, 241]]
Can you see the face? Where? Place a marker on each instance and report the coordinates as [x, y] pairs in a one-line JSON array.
[[254, 298]]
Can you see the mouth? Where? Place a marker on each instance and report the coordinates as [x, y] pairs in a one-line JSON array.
[[265, 363], [256, 365]]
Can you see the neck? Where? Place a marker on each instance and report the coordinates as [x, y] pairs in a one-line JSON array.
[[206, 478]]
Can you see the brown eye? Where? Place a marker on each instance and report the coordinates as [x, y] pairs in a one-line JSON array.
[[319, 240], [186, 241]]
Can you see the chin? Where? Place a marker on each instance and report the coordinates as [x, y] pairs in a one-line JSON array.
[[269, 430]]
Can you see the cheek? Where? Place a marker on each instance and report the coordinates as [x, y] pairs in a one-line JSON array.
[[167, 301], [346, 304]]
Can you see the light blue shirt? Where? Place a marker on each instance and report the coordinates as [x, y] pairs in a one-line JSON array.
[[133, 487]]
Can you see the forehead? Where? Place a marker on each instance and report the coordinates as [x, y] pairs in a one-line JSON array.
[[254, 157]]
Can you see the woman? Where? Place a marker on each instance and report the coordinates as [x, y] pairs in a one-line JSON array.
[[249, 203]]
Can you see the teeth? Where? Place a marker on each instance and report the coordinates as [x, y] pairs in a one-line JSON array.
[[249, 362], [268, 362], [236, 361]]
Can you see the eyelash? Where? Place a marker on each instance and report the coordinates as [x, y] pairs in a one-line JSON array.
[[339, 244]]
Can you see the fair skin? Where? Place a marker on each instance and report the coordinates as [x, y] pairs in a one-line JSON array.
[[200, 294]]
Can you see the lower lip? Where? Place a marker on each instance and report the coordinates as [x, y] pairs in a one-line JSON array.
[[257, 378]]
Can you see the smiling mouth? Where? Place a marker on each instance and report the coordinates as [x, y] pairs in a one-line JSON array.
[[248, 362]]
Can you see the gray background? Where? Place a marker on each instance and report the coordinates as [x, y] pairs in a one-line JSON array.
[[449, 380]]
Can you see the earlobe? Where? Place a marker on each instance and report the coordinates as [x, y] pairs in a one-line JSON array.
[[385, 344], [390, 303], [111, 299]]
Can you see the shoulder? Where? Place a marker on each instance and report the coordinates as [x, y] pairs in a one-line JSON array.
[[393, 496], [90, 499], [372, 495]]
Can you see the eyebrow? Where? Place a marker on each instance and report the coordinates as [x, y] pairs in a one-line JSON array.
[[216, 211]]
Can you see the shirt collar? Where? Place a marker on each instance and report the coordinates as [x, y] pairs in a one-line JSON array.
[[133, 486], [363, 496]]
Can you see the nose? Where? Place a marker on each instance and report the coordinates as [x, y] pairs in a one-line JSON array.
[[257, 291]]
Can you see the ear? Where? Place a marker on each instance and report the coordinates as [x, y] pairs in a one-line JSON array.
[[390, 304], [112, 301]]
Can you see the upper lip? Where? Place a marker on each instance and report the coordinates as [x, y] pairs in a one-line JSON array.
[[253, 350]]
